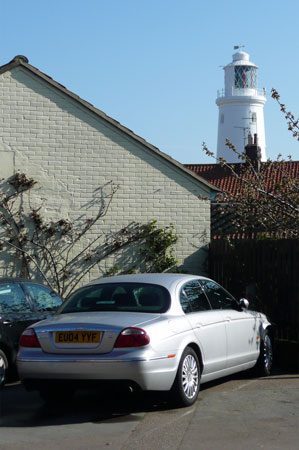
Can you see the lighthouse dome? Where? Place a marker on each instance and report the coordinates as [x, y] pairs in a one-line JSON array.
[[241, 56], [241, 59]]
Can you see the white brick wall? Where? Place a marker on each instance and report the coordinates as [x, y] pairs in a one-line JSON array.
[[72, 152]]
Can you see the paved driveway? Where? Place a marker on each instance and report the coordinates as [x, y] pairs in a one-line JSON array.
[[252, 414], [237, 413]]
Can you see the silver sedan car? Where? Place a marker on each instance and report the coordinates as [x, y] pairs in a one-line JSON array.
[[161, 332]]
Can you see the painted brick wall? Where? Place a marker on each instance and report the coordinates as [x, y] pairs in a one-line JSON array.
[[74, 154]]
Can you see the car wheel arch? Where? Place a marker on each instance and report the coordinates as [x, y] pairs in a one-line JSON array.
[[197, 350], [268, 329]]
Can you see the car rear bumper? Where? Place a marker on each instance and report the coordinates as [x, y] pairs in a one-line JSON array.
[[148, 374]]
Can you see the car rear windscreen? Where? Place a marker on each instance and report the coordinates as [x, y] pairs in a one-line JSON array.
[[134, 297]]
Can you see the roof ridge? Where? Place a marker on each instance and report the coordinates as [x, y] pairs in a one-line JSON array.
[[24, 61]]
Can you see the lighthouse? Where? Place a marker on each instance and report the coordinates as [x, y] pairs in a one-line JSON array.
[[241, 108]]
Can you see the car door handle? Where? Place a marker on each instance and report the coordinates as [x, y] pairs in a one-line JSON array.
[[228, 319], [198, 325], [6, 322]]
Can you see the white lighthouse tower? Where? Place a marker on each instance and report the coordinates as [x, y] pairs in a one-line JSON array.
[[241, 108]]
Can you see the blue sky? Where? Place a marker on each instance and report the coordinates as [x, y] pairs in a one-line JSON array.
[[154, 65]]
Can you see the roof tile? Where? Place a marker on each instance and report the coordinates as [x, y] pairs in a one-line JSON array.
[[223, 178]]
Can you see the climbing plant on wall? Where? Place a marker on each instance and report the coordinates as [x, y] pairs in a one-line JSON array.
[[62, 252]]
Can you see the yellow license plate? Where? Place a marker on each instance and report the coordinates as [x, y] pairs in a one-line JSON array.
[[77, 337]]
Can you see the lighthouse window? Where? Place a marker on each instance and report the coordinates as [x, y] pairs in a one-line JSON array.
[[253, 117], [245, 77], [222, 118]]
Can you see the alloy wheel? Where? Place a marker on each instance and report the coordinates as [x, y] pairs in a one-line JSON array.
[[190, 376]]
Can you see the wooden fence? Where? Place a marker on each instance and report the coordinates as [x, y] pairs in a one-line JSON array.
[[267, 273]]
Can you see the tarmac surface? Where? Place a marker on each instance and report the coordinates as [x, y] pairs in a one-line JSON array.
[[236, 413]]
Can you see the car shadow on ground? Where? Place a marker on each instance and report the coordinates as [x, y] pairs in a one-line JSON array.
[[277, 373], [19, 408]]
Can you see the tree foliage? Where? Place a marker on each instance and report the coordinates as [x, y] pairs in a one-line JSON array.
[[266, 201], [293, 124], [63, 252]]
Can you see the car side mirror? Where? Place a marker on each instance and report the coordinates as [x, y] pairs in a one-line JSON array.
[[244, 303]]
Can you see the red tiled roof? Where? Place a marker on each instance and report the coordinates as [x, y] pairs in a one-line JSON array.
[[222, 177]]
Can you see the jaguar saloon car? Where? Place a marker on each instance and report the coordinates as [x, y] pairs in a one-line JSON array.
[[161, 332], [22, 302]]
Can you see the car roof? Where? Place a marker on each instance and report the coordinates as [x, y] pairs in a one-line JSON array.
[[18, 280], [163, 279]]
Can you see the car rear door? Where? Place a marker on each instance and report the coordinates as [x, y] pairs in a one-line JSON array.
[[242, 326], [208, 325]]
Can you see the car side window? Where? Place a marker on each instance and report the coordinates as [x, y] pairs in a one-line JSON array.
[[185, 303], [193, 298], [13, 299], [218, 297], [44, 298]]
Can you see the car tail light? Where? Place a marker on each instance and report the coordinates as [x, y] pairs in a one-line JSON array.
[[132, 337], [29, 339]]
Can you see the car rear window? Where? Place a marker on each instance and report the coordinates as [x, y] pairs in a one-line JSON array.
[[134, 297]]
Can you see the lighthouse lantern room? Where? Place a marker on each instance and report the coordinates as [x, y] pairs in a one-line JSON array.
[[241, 108]]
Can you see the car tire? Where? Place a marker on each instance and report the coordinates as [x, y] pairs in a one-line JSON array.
[[186, 385], [265, 360], [3, 368]]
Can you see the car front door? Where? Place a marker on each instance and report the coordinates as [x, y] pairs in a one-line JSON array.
[[242, 326], [45, 300], [208, 326]]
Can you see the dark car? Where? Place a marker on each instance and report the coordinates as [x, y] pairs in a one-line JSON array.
[[22, 302]]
